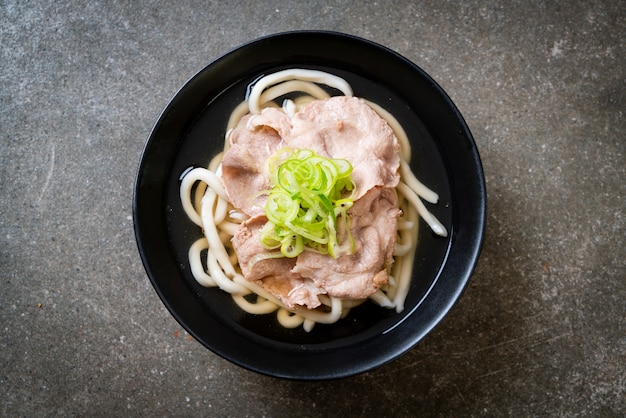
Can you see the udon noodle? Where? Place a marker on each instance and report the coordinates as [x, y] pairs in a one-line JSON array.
[[212, 259]]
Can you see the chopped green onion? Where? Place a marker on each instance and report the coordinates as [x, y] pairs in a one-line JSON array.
[[308, 203]]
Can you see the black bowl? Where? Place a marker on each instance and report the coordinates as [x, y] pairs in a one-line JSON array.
[[191, 130]]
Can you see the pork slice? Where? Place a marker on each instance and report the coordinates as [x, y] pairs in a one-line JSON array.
[[273, 274], [378, 209], [339, 127], [374, 229], [243, 166], [293, 290], [247, 245], [346, 127], [271, 117]]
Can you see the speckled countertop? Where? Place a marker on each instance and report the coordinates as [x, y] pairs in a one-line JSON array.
[[540, 330]]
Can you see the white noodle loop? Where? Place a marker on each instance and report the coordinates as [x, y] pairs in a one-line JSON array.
[[321, 77]]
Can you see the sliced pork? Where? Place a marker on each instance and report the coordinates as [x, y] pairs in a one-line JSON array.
[[243, 166], [346, 127], [273, 274], [339, 127], [356, 276]]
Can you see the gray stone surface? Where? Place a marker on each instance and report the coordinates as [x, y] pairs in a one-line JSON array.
[[540, 331]]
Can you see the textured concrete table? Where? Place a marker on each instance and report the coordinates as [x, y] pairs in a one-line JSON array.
[[540, 330]]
